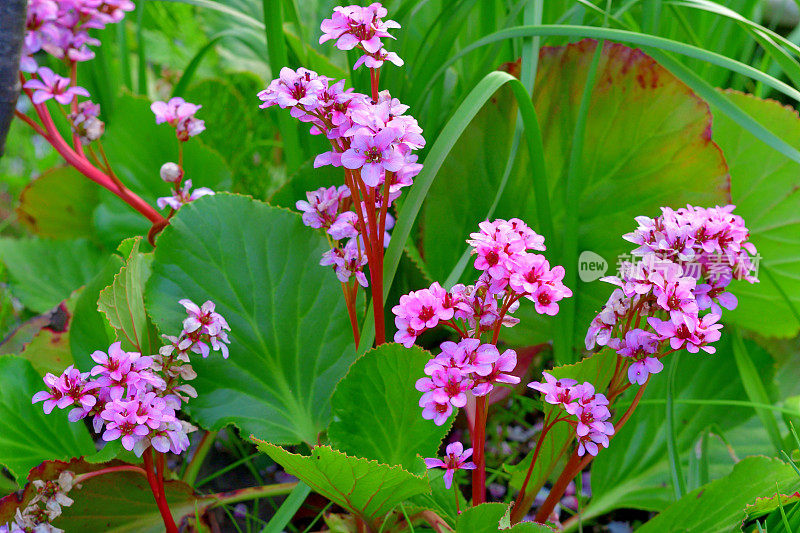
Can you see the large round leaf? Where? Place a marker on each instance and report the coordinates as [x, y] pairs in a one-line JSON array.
[[27, 435], [764, 186], [376, 409], [291, 340]]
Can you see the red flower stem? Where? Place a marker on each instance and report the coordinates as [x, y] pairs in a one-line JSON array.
[[375, 263], [455, 493], [351, 311], [515, 510], [110, 470], [73, 75], [161, 501], [478, 444], [29, 121], [374, 75], [577, 463], [160, 474]]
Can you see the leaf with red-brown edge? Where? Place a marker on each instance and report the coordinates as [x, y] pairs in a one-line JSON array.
[[767, 504], [113, 502]]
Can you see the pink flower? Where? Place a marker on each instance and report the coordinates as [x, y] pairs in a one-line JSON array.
[[556, 391], [425, 308], [373, 154], [183, 196], [173, 111], [51, 85], [204, 322], [678, 334], [347, 261], [447, 385], [589, 443], [640, 370], [500, 373], [638, 343], [51, 396], [439, 412], [322, 205], [292, 89], [707, 331], [456, 459]]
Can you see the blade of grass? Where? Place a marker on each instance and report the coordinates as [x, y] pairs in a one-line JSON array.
[[222, 8], [784, 519], [530, 64], [652, 41], [755, 389], [191, 68], [651, 15], [288, 509], [124, 56], [278, 58], [562, 348], [438, 153], [140, 51], [676, 472]]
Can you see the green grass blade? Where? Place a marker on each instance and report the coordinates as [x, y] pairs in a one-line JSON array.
[[569, 240], [755, 389], [278, 58], [140, 50], [191, 68], [651, 16], [784, 519], [630, 37], [124, 55], [288, 509], [450, 134], [676, 472], [225, 9]]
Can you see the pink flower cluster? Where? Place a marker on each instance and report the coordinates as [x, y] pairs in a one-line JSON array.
[[509, 272], [456, 459], [687, 259], [374, 138], [361, 27], [370, 137], [60, 27], [464, 367], [589, 409], [135, 398], [179, 114]]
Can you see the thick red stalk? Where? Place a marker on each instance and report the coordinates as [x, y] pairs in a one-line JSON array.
[[349, 300], [158, 492], [375, 262], [478, 445]]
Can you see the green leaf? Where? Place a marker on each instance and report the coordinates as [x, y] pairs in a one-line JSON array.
[[363, 487], [634, 471], [90, 330], [43, 272], [481, 518], [763, 186], [27, 435], [487, 516], [376, 411], [719, 505], [123, 301], [441, 500], [58, 204], [118, 502], [290, 334], [767, 504], [598, 370], [646, 145], [49, 350]]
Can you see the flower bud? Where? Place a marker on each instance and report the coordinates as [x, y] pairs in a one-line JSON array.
[[171, 173]]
